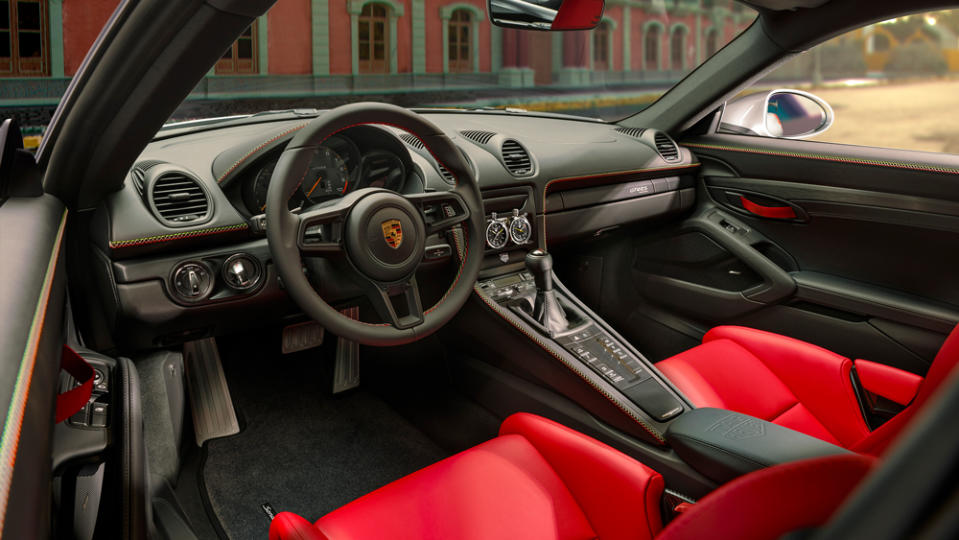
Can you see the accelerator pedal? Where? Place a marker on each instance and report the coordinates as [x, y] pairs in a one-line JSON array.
[[346, 374], [212, 407]]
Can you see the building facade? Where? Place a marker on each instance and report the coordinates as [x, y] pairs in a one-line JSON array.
[[319, 47]]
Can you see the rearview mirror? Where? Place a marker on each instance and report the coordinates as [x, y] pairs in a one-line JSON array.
[[785, 114], [546, 14]]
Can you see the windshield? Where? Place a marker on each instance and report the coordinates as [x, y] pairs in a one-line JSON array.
[[440, 53]]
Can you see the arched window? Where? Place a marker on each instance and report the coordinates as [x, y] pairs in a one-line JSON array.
[[24, 38], [241, 56], [677, 49], [601, 56], [712, 42], [460, 41], [651, 56], [374, 40]]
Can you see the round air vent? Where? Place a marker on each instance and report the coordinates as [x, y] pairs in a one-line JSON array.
[[666, 147], [516, 158], [178, 199]]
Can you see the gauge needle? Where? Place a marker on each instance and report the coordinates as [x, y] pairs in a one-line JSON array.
[[345, 184], [310, 192], [262, 208]]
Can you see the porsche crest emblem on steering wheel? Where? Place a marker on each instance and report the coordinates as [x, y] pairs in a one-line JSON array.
[[393, 233]]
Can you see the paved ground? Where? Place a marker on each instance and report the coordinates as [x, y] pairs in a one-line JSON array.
[[914, 116]]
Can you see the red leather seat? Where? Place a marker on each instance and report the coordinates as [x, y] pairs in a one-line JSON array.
[[541, 480], [799, 385]]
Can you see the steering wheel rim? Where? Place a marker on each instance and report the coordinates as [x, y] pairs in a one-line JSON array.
[[359, 215]]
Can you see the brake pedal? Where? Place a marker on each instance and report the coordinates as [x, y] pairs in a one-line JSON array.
[[210, 401], [346, 374], [302, 336]]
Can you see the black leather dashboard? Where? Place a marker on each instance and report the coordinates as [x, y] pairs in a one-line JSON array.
[[578, 176]]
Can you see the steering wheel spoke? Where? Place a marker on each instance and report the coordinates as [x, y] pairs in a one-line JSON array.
[[411, 308], [320, 230], [441, 209]]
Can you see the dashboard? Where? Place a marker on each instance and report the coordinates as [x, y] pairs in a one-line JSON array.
[[181, 250]]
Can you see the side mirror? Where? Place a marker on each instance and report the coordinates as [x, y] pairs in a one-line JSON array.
[[785, 113], [546, 14]]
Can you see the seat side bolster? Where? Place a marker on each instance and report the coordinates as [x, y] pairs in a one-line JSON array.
[[891, 383], [605, 482]]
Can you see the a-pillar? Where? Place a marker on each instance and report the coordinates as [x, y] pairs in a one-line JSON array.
[[516, 72]]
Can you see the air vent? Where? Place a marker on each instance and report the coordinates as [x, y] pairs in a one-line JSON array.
[[666, 147], [516, 158], [179, 198], [631, 131], [447, 175], [412, 140], [138, 172], [481, 137]]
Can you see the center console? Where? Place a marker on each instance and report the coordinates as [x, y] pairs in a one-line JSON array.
[[586, 339]]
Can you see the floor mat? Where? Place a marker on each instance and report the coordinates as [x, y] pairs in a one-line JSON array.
[[302, 449]]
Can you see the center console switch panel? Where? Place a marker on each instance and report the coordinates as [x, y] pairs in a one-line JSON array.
[[723, 445], [609, 358]]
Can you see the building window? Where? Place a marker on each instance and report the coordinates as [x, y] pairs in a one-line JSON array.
[[601, 59], [460, 44], [374, 51], [651, 48], [24, 38], [240, 58], [677, 49], [712, 42]]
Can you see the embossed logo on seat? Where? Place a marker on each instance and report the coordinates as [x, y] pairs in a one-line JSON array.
[[393, 233]]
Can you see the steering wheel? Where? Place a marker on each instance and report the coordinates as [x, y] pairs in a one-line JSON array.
[[381, 233]]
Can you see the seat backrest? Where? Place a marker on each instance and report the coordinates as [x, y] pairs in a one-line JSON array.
[[946, 359], [807, 493]]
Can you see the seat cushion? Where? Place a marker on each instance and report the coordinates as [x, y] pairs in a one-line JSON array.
[[538, 479], [779, 379]]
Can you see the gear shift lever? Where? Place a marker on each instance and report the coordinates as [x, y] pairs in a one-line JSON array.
[[546, 308]]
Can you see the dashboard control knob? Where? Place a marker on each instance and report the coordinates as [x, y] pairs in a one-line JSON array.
[[241, 272], [192, 281]]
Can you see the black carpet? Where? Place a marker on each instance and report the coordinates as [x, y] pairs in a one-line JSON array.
[[302, 449]]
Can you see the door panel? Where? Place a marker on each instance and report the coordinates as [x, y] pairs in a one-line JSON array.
[[32, 295], [852, 248]]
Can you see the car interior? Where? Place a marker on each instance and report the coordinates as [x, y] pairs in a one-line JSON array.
[[374, 321]]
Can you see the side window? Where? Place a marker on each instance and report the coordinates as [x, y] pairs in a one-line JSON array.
[[893, 84]]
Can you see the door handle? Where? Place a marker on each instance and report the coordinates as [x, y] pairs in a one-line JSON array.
[[772, 212]]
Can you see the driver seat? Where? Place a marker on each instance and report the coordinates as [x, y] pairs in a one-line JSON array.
[[541, 480]]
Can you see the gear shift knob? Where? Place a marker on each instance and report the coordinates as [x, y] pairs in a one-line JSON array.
[[540, 264]]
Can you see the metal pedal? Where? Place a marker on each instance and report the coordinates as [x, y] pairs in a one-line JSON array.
[[210, 402], [346, 374], [302, 336]]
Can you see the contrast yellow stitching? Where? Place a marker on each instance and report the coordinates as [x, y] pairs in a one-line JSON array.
[[177, 236]]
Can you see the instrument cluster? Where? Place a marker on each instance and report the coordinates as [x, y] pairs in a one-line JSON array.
[[337, 168]]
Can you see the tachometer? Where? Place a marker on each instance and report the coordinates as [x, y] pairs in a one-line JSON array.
[[326, 177]]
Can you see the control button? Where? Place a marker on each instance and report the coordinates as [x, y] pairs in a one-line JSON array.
[[241, 272], [81, 417], [98, 414], [192, 281], [437, 252]]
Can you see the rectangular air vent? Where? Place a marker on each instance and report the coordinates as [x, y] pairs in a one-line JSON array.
[[179, 199], [631, 131], [412, 140], [666, 147], [446, 174], [479, 136], [516, 158]]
